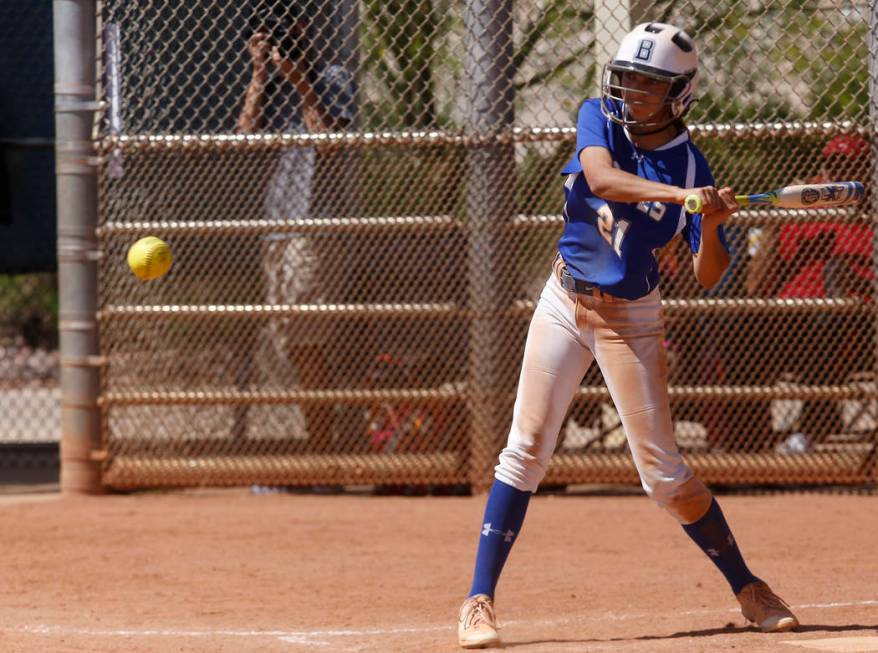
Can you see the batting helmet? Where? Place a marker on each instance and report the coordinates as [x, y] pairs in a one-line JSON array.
[[659, 51]]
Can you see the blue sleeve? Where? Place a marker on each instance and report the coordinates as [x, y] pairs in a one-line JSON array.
[[692, 230], [591, 130], [591, 127], [335, 88]]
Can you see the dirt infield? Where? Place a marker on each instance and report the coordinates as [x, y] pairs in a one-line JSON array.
[[234, 572]]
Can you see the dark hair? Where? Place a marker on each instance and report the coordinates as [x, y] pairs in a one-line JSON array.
[[283, 24], [289, 27]]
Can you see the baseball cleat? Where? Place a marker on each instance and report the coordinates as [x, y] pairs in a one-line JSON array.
[[766, 609], [476, 624]]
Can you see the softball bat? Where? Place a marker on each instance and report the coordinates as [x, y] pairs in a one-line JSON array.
[[802, 196]]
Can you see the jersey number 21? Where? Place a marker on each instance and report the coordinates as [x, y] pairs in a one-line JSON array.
[[614, 230]]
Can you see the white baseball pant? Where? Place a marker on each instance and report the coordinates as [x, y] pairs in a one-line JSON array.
[[567, 332]]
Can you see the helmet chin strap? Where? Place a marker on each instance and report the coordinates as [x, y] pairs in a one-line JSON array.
[[658, 129]]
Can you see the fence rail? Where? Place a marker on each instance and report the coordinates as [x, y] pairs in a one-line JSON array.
[[219, 142]]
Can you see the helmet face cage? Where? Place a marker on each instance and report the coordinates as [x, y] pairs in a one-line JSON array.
[[678, 96]]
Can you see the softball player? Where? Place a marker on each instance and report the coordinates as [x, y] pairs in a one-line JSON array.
[[633, 168]]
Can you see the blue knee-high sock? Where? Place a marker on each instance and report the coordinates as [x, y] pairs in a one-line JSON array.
[[713, 535], [504, 516]]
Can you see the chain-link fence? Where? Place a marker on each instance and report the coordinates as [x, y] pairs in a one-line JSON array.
[[29, 368], [363, 199]]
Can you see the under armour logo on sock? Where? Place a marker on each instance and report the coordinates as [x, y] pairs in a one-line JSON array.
[[715, 553], [508, 536]]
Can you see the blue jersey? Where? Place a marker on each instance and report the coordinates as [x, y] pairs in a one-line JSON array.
[[612, 244]]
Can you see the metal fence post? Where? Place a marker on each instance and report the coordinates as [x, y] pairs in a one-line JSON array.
[[74, 35], [489, 72]]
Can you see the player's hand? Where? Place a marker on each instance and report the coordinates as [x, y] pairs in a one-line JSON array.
[[724, 206], [259, 48], [716, 204], [709, 195]]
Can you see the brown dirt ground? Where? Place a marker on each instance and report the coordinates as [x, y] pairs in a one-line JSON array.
[[227, 571]]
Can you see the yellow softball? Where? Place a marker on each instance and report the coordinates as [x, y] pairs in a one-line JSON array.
[[149, 258]]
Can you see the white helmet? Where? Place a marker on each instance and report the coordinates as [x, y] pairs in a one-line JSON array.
[[660, 51]]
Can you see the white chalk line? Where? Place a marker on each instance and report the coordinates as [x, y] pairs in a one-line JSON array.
[[322, 637]]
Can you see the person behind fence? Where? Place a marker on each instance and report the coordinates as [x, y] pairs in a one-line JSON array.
[[290, 92], [830, 258], [625, 185]]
